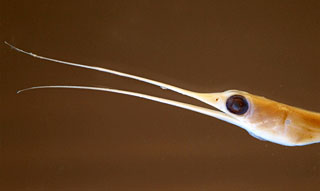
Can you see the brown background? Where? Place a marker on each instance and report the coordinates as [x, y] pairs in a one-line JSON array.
[[84, 140]]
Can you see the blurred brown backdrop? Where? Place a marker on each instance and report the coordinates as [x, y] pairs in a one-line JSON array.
[[84, 140]]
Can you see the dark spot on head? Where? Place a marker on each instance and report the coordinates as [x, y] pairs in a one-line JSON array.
[[237, 104]]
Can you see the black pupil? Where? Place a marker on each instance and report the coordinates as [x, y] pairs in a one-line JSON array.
[[237, 104]]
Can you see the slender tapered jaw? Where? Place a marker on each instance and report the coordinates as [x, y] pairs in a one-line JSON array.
[[213, 113], [208, 98], [215, 100]]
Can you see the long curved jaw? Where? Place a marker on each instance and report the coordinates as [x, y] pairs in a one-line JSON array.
[[208, 98]]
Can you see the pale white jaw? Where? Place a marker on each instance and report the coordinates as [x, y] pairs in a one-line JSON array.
[[209, 98]]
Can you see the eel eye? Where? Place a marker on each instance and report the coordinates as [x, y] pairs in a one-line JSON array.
[[237, 104]]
